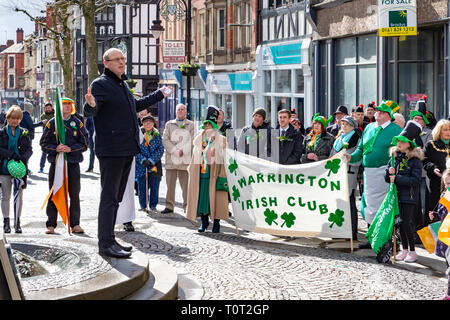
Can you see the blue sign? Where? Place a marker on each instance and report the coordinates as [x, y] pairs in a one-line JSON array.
[[283, 54], [241, 81]]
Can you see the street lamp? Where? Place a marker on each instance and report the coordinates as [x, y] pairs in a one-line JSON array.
[[157, 29]]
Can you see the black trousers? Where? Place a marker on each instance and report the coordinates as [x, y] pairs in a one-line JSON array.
[[114, 173], [73, 172], [407, 212]]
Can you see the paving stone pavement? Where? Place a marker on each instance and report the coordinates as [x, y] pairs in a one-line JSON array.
[[248, 266]]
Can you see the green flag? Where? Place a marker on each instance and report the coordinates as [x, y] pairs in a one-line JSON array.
[[59, 122]]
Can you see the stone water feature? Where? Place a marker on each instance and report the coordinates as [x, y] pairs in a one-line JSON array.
[[70, 268]]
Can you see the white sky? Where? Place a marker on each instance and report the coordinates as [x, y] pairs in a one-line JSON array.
[[10, 20]]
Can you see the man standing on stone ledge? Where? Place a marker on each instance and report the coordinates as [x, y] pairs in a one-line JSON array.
[[113, 108]]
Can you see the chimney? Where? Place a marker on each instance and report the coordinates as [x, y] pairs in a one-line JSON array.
[[19, 33], [9, 43]]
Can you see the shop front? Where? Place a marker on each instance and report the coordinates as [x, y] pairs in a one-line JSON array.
[[233, 92], [284, 79]]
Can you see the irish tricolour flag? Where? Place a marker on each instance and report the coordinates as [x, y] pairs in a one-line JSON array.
[[60, 182], [438, 230]]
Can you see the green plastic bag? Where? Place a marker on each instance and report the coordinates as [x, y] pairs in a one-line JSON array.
[[380, 231]]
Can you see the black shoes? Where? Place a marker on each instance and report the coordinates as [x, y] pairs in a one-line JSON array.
[[205, 223], [166, 210], [17, 227], [365, 246], [114, 251], [128, 226], [124, 248], [6, 226], [216, 226]]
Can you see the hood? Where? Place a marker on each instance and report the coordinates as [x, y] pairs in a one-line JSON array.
[[414, 153]]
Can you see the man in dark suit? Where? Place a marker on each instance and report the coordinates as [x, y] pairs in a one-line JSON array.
[[113, 108], [291, 141]]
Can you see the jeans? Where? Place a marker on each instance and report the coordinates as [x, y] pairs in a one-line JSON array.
[[153, 186], [43, 159]]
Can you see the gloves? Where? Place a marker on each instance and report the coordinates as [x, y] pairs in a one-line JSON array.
[[146, 163], [15, 157]]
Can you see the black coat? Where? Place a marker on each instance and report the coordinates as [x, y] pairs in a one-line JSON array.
[[334, 129], [435, 156], [291, 149], [322, 150], [23, 146], [76, 137], [408, 174], [115, 121]]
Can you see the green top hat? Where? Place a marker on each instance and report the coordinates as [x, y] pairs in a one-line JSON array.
[[322, 119], [388, 106], [16, 169], [410, 133], [212, 113], [420, 110]]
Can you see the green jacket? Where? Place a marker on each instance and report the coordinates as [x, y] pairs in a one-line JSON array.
[[47, 116], [380, 152]]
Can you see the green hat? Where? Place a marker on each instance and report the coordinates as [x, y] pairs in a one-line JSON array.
[[420, 110], [322, 119], [410, 132], [16, 169], [212, 113], [388, 106]]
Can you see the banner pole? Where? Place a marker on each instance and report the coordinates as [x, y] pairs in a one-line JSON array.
[[237, 231], [395, 246], [351, 245]]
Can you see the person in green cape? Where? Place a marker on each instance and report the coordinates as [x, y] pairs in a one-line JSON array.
[[207, 165], [373, 150]]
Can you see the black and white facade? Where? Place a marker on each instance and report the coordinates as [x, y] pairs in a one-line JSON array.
[[126, 27]]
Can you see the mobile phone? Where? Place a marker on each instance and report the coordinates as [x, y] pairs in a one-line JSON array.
[[167, 90]]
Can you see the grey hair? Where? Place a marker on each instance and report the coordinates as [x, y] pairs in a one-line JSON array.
[[399, 116], [28, 106], [108, 52]]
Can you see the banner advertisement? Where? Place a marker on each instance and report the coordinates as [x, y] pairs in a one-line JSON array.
[[397, 18], [297, 200]]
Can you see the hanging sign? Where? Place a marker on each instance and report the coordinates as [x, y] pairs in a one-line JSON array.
[[397, 18]]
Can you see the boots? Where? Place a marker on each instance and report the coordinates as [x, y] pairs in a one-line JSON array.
[[6, 226], [205, 223], [17, 227], [216, 226]]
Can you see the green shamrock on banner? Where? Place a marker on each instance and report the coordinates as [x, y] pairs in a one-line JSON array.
[[333, 166], [271, 216], [233, 166], [336, 217], [288, 219], [236, 194]]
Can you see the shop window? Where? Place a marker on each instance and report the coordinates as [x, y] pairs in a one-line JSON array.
[[283, 81], [267, 81], [415, 79], [356, 77], [300, 85]]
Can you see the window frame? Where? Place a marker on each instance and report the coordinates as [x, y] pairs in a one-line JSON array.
[[221, 30]]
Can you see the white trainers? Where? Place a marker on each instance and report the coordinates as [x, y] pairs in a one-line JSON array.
[[411, 257], [402, 255]]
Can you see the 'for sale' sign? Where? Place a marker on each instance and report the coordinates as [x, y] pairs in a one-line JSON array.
[[397, 18]]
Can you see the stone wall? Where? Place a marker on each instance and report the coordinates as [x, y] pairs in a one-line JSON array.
[[360, 16]]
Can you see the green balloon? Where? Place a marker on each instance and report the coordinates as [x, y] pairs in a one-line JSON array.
[[17, 169]]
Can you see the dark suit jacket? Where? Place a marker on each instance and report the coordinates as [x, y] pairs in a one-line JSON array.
[[115, 121], [291, 149]]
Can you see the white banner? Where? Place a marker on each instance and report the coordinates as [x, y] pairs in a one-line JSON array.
[[298, 200]]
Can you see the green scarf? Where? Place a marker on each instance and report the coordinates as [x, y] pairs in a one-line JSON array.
[[13, 141]]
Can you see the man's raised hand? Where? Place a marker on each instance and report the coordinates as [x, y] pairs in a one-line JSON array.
[[90, 98]]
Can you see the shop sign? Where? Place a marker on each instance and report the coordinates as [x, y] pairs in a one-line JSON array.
[[397, 18], [230, 82], [282, 54]]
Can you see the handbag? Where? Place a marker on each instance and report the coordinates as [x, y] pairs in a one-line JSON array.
[[221, 183]]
